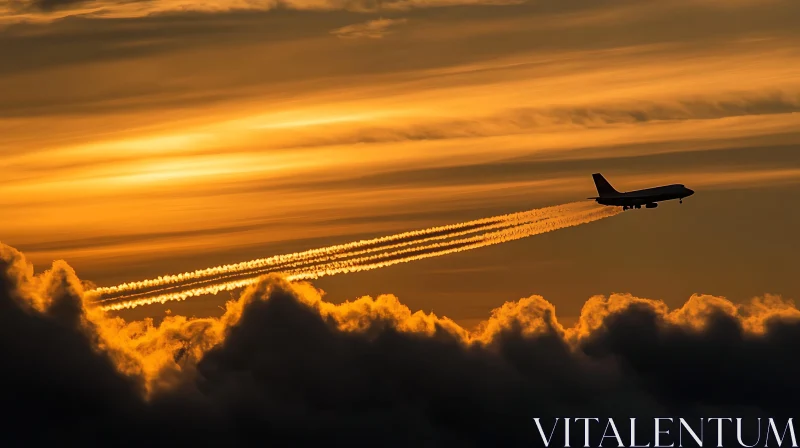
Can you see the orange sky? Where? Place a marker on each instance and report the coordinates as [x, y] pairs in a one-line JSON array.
[[145, 138]]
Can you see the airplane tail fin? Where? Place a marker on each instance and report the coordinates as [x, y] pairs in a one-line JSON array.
[[603, 187]]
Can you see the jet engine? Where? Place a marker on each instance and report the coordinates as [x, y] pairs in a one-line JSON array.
[[651, 205]]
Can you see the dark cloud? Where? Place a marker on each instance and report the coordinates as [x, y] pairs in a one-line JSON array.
[[402, 389], [81, 40], [287, 373], [54, 382], [50, 5]]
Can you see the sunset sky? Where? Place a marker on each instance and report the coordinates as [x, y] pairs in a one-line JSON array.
[[141, 138]]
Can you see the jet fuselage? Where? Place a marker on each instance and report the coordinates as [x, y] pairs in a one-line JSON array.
[[635, 199], [646, 196]]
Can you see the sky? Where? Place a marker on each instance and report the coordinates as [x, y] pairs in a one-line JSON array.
[[142, 138], [148, 146]]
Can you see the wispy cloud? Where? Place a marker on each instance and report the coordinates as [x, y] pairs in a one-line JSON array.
[[51, 10], [372, 29]]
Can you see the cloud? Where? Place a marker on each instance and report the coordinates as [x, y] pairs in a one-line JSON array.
[[372, 29], [50, 10], [282, 364], [51, 369], [527, 119], [50, 5]]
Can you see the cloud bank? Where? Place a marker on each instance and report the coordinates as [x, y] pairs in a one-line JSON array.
[[284, 365]]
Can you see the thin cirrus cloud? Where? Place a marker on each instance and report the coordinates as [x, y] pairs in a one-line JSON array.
[[50, 10], [372, 29]]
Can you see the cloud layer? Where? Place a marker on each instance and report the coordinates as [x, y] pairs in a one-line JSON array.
[[284, 365]]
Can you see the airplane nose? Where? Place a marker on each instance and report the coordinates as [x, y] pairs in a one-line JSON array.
[[689, 192]]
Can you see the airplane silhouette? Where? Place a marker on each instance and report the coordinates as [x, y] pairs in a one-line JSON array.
[[636, 199]]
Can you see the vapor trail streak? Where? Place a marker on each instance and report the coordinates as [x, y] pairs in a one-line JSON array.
[[571, 215], [313, 253], [340, 255], [148, 288], [296, 264]]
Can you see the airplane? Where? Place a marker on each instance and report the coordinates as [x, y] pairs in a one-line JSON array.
[[636, 199]]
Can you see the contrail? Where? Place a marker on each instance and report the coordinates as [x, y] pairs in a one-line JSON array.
[[143, 291], [565, 216], [516, 219], [396, 240]]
